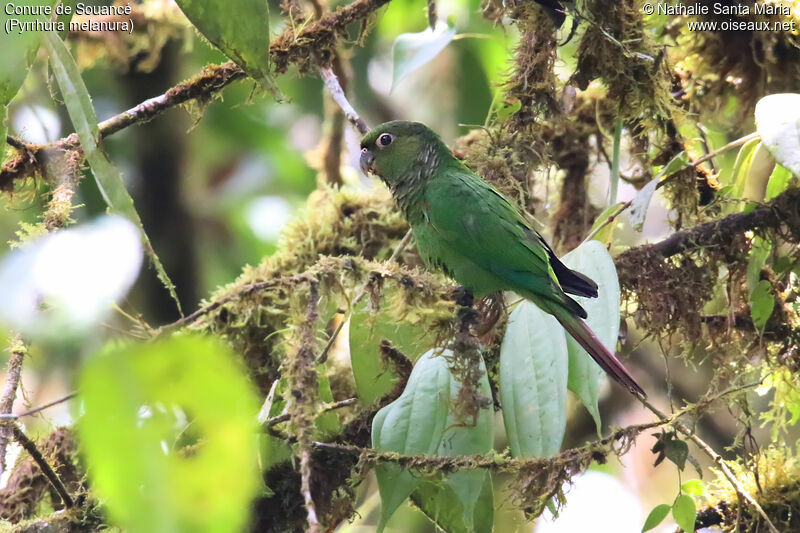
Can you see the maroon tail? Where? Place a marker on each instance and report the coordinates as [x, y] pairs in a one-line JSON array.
[[607, 360]]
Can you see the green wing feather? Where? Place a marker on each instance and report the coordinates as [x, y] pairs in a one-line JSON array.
[[472, 231]]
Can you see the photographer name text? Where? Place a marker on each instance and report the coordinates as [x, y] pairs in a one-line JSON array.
[[782, 10]]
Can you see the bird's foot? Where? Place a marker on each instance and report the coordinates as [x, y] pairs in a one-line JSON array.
[[463, 296]]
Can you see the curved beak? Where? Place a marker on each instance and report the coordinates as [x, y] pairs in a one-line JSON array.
[[366, 161]]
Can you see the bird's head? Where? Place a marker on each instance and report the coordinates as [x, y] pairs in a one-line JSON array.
[[398, 151]]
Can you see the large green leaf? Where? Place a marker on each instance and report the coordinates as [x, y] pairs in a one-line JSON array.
[[585, 376], [239, 28], [533, 382], [412, 424], [465, 435], [426, 419], [413, 50], [367, 328], [143, 404], [778, 124], [84, 119]]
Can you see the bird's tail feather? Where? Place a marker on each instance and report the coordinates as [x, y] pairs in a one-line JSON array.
[[602, 356]]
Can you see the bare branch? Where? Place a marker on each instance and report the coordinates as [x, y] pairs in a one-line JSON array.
[[332, 83], [275, 420], [13, 374]]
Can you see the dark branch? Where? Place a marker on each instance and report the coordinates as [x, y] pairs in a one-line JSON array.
[[784, 209], [37, 456]]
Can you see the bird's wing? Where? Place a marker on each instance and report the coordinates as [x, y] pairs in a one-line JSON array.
[[471, 216]]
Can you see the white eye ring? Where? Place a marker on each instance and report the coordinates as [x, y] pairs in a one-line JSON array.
[[384, 140]]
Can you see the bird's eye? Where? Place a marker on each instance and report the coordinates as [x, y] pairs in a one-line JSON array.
[[385, 140]]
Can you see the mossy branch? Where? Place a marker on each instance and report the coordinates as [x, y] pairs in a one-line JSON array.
[[13, 373]]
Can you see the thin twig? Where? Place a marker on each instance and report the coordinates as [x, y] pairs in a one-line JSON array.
[[613, 216], [13, 374], [39, 459], [48, 405], [398, 249], [275, 420], [710, 155], [335, 88]]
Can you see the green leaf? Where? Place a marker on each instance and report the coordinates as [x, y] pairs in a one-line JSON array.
[[470, 436], [677, 451], [84, 119], [585, 376], [442, 505], [413, 50], [762, 303], [533, 382], [778, 182], [684, 512], [412, 424], [759, 253], [507, 108], [239, 28], [741, 167], [143, 403], [641, 202], [778, 124], [693, 487], [367, 328], [656, 516], [423, 421]]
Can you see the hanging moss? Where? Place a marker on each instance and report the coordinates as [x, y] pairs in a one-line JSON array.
[[617, 50], [745, 64]]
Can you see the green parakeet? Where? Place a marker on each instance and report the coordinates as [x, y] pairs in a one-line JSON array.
[[466, 227]]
